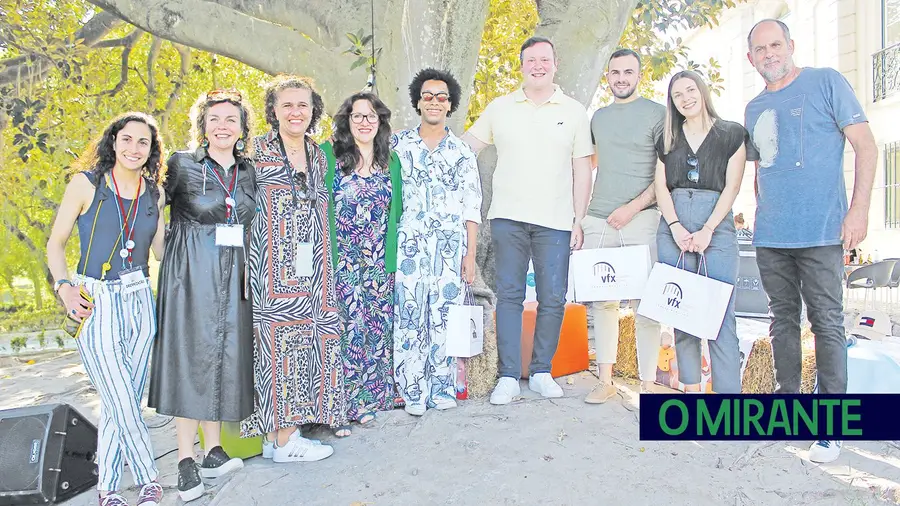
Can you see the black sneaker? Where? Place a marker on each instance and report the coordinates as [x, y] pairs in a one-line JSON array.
[[190, 486], [217, 463]]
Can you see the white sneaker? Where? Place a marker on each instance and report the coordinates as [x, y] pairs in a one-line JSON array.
[[825, 451], [545, 385], [415, 409], [269, 446], [301, 450], [442, 403], [506, 389]]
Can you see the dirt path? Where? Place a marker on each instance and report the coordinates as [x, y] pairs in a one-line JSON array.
[[534, 451]]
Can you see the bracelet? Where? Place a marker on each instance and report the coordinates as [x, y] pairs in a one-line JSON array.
[[60, 282], [674, 222], [711, 230]]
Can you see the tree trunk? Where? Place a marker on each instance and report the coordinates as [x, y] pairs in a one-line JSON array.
[[38, 290]]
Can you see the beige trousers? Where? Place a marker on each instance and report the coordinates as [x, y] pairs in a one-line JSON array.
[[641, 230]]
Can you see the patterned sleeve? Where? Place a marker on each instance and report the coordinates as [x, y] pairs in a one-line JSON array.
[[471, 180]]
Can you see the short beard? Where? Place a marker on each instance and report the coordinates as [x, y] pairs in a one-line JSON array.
[[772, 76], [628, 93]]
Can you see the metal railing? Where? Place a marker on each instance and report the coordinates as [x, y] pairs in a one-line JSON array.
[[885, 71], [892, 185]]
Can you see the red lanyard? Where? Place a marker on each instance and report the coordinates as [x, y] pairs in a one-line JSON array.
[[229, 190], [127, 232]]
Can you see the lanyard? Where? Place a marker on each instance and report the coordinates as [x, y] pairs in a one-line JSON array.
[[230, 201], [289, 167], [126, 235]]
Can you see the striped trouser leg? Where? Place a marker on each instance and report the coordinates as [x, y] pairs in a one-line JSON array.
[[115, 348]]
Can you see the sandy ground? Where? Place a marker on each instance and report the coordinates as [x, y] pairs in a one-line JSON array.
[[533, 451]]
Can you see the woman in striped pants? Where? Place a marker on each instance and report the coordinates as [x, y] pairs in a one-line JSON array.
[[115, 200]]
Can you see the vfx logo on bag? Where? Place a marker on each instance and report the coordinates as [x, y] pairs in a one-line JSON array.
[[604, 272], [673, 295]]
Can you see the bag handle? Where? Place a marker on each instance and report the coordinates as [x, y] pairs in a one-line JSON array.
[[700, 266], [603, 235], [469, 299]]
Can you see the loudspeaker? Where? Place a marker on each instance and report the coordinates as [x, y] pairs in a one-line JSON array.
[[46, 454]]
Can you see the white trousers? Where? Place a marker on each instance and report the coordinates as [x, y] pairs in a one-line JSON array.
[[640, 231], [115, 344]]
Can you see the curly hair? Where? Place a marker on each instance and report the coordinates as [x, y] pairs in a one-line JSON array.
[[99, 157], [345, 148], [198, 122], [430, 74], [286, 81]]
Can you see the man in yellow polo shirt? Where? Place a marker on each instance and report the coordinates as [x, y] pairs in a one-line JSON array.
[[541, 189]]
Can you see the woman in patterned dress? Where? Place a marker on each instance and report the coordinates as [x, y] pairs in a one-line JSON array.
[[298, 373], [364, 177]]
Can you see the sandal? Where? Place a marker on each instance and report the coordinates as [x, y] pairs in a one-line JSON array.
[[342, 431], [367, 418]]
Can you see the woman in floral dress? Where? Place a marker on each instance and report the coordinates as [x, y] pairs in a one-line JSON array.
[[364, 176]]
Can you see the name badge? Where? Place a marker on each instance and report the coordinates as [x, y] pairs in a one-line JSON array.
[[303, 260], [133, 280], [229, 235]]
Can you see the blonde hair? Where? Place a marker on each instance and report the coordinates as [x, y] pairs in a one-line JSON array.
[[675, 119]]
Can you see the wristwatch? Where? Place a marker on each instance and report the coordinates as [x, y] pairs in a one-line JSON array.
[[60, 282]]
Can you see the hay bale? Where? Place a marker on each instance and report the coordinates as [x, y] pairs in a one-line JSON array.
[[626, 365], [759, 375], [481, 370], [808, 368]]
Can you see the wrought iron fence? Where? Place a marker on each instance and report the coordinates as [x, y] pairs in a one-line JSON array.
[[885, 69]]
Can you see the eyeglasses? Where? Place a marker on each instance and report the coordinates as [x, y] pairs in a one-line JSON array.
[[223, 95], [441, 97], [693, 175], [358, 118]]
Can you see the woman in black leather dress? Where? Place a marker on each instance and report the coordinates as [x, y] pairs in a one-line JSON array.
[[202, 370]]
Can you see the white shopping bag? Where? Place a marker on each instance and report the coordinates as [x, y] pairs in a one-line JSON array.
[[689, 302], [615, 274], [465, 328]]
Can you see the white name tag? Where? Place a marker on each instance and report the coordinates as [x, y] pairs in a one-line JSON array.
[[133, 280], [229, 235], [303, 260]]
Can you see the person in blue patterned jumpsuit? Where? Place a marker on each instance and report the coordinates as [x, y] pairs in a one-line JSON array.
[[436, 241]]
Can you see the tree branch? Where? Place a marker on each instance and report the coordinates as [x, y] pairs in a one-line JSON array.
[[164, 115], [152, 56], [128, 45], [276, 48], [13, 70]]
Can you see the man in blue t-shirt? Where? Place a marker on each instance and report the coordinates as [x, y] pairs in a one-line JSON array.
[[799, 124]]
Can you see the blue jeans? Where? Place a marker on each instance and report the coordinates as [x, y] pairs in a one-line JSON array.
[[515, 243], [693, 208]]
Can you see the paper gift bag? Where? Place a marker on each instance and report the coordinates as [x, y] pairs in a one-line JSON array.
[[615, 274], [465, 329], [689, 302]]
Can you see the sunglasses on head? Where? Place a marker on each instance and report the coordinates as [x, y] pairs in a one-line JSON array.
[[693, 175], [222, 95], [441, 97]]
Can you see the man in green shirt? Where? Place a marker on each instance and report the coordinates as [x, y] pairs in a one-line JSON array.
[[623, 205]]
